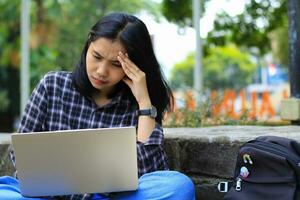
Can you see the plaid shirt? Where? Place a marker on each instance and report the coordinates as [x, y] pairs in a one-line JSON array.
[[55, 104]]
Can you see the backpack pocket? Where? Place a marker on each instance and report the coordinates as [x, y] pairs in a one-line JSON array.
[[265, 189]]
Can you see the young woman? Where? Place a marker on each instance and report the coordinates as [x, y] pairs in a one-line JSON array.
[[117, 82]]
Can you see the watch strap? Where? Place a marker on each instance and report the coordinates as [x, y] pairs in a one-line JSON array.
[[151, 112]]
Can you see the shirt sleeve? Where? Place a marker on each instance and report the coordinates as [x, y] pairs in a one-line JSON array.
[[151, 155], [35, 111]]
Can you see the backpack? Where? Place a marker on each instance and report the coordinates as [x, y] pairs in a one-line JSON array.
[[267, 168]]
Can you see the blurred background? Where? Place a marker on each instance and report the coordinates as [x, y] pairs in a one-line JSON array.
[[244, 53]]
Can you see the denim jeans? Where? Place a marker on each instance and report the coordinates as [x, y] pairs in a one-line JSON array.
[[159, 185]]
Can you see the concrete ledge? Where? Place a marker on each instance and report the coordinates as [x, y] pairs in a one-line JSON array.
[[206, 155]]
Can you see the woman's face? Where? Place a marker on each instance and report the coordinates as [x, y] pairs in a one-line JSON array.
[[103, 68]]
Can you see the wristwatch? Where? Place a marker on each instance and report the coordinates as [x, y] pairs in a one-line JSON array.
[[151, 112]]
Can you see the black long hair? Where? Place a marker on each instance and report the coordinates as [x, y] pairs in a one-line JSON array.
[[134, 36]]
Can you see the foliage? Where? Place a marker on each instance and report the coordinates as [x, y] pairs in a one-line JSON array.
[[181, 75], [9, 33], [224, 67], [4, 102], [250, 29], [180, 11], [227, 67]]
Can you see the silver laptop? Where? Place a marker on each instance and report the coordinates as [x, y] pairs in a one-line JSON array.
[[76, 161]]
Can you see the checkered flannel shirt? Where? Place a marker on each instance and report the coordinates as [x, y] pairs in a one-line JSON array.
[[56, 105]]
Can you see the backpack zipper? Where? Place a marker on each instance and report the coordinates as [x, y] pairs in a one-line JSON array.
[[273, 148], [238, 186]]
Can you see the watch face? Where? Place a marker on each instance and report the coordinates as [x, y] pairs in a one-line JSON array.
[[153, 112]]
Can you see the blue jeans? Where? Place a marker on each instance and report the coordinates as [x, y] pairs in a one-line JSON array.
[[159, 185]]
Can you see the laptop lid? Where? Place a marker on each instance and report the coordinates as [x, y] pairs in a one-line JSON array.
[[76, 161]]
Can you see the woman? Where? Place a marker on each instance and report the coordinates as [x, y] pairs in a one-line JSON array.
[[117, 82]]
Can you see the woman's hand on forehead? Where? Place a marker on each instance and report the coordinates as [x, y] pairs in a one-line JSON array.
[[136, 80]]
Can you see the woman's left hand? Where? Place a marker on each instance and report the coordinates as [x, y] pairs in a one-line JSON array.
[[136, 80]]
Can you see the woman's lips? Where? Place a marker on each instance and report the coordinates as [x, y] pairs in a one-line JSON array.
[[99, 82]]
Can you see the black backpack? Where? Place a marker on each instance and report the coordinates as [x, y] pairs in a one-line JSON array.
[[267, 168]]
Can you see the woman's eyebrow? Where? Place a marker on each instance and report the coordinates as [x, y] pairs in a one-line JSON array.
[[98, 54]]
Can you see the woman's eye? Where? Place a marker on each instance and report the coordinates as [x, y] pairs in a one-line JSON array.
[[117, 64], [97, 57]]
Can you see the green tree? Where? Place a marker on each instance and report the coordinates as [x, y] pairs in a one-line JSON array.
[[224, 67], [180, 11], [251, 28], [181, 76], [9, 61]]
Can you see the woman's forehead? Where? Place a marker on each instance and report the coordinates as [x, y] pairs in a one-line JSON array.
[[106, 42], [107, 47]]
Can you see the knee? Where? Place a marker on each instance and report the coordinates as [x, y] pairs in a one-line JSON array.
[[182, 181], [182, 185], [172, 185]]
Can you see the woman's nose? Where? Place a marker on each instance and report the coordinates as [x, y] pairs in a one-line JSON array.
[[102, 69]]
